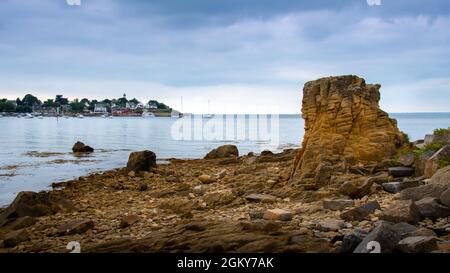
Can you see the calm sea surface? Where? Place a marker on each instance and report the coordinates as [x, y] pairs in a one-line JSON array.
[[36, 152]]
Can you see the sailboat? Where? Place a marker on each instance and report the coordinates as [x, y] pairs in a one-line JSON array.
[[209, 115]]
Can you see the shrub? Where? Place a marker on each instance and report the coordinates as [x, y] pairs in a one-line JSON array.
[[442, 131]]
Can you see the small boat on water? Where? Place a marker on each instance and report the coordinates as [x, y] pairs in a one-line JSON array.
[[104, 115], [148, 115], [29, 115], [209, 115], [40, 117], [80, 116]]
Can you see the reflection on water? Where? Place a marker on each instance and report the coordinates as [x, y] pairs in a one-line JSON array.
[[36, 152]]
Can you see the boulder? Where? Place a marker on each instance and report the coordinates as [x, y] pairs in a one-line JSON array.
[[277, 214], [349, 243], [75, 227], [143, 161], [337, 204], [438, 184], [418, 244], [445, 197], [430, 208], [206, 179], [407, 159], [80, 147], [361, 212], [401, 171], [402, 211], [420, 162], [34, 205], [355, 191], [267, 153], [14, 238], [395, 187], [434, 162], [384, 234], [343, 123], [223, 151], [404, 229]]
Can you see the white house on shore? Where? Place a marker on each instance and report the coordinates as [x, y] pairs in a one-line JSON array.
[[100, 108]]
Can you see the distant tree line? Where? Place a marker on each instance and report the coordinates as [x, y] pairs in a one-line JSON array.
[[30, 103]]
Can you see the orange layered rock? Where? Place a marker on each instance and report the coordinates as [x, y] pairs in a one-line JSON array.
[[344, 126]]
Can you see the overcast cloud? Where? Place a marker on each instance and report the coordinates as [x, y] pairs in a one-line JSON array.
[[234, 53]]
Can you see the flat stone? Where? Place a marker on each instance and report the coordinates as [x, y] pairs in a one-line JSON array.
[[384, 234], [14, 238], [265, 198], [330, 225], [418, 244], [277, 214], [402, 211], [361, 212], [430, 208], [22, 222], [337, 204], [75, 227], [401, 171], [395, 187]]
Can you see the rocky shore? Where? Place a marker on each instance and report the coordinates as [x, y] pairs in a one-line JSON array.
[[356, 180]]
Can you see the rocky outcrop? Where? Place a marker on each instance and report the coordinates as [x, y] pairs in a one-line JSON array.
[[223, 151], [343, 123], [34, 205]]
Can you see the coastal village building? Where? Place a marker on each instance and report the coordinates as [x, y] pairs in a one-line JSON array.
[[100, 108]]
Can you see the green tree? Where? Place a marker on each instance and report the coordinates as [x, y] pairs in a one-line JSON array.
[[49, 103], [77, 106], [60, 100], [30, 100], [7, 106], [122, 102]]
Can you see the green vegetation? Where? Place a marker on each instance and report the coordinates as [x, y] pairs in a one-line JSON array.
[[430, 147], [442, 131], [7, 106], [444, 162], [30, 103]]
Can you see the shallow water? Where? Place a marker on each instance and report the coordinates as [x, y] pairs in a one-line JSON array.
[[36, 152]]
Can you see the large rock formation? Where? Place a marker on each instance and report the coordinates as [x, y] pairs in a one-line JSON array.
[[343, 124]]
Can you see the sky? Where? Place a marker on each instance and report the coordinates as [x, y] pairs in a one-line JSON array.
[[244, 56]]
